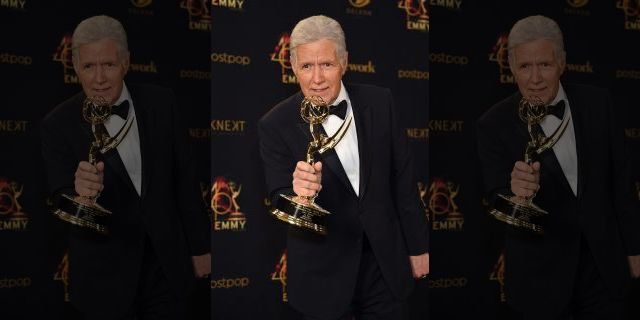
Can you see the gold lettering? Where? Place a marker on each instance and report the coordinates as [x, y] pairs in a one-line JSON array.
[[418, 133], [13, 224], [228, 125], [13, 125], [446, 125], [289, 79], [632, 133]]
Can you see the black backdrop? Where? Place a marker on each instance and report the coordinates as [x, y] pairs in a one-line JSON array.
[[389, 42], [168, 41], [469, 73], [250, 74]]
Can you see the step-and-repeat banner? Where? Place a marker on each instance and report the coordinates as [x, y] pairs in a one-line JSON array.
[[469, 73], [168, 41], [388, 46]]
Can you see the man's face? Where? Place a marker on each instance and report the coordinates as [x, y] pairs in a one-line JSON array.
[[319, 70], [101, 70], [537, 70]]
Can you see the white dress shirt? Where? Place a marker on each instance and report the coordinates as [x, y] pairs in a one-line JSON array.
[[129, 148], [347, 148], [565, 148]]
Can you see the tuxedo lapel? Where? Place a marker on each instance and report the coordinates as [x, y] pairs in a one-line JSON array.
[[143, 127], [113, 162], [329, 158], [548, 160], [362, 114], [578, 116]]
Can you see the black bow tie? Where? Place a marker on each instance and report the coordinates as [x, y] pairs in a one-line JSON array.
[[339, 110], [556, 109], [121, 110]]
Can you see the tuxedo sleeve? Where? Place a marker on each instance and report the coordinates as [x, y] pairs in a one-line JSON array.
[[195, 221], [495, 162], [413, 219], [626, 205], [277, 159], [59, 159]]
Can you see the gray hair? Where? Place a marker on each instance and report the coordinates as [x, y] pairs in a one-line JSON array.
[[97, 28], [534, 28], [316, 28]]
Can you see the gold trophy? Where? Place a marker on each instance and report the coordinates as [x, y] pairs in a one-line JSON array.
[[303, 211], [85, 211], [518, 211]]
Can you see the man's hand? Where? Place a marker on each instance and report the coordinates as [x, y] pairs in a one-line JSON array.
[[88, 182], [525, 179], [634, 266], [202, 265], [307, 179], [420, 265]]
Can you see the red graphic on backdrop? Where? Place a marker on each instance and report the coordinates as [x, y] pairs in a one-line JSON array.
[[63, 54], [225, 207], [62, 274], [199, 14], [500, 55], [417, 14], [631, 9], [281, 54], [280, 274], [498, 275], [445, 213]]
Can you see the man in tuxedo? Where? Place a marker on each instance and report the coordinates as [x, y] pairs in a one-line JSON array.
[[377, 234], [579, 267], [158, 241]]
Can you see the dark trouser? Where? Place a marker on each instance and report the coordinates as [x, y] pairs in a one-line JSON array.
[[372, 298], [591, 299], [154, 299]]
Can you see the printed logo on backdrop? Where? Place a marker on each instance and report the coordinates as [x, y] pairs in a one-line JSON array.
[[586, 67], [443, 211], [442, 126], [14, 4], [367, 67], [141, 7], [446, 58], [280, 274], [225, 207], [498, 275], [448, 283], [232, 59], [63, 55], [500, 55], [631, 9], [577, 8], [416, 13], [633, 74], [281, 56], [13, 127], [230, 283], [358, 7], [237, 5], [10, 58], [149, 67], [418, 133], [632, 133], [413, 74], [11, 215], [199, 14], [62, 275], [448, 4], [228, 127], [13, 283]]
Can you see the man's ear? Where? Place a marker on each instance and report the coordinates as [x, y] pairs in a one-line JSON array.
[[345, 62], [126, 62]]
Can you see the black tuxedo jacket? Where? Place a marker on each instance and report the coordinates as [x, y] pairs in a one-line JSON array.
[[322, 271], [540, 270], [104, 270]]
